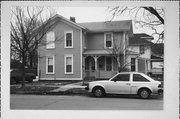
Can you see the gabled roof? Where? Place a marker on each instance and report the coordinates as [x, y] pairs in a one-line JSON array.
[[140, 39], [109, 26], [57, 16]]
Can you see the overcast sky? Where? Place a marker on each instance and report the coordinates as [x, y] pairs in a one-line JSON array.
[[93, 14]]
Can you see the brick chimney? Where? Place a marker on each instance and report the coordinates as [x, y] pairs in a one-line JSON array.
[[73, 19]]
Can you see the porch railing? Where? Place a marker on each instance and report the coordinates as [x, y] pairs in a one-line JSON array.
[[100, 74]]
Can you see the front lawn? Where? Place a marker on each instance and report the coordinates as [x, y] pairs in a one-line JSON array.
[[31, 89]]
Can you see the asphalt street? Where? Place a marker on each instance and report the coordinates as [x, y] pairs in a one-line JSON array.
[[83, 102]]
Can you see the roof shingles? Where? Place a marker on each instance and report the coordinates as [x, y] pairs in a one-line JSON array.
[[125, 25]]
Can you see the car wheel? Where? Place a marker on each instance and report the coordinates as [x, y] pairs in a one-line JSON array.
[[144, 93], [98, 92]]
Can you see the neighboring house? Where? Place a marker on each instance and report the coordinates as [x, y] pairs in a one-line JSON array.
[[157, 60], [139, 53], [79, 50]]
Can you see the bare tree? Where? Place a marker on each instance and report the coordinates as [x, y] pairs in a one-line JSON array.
[[28, 28], [121, 50], [120, 47], [146, 17]]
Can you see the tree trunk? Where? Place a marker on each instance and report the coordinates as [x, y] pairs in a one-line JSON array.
[[119, 64], [23, 70]]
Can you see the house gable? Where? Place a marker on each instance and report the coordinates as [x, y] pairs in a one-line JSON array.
[[61, 27]]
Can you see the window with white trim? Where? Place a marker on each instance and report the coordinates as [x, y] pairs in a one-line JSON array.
[[108, 40], [50, 40], [69, 39], [50, 65], [68, 64]]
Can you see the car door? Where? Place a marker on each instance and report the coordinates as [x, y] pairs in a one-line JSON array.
[[120, 84], [138, 81]]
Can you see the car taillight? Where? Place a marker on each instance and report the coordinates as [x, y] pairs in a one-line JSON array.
[[87, 86]]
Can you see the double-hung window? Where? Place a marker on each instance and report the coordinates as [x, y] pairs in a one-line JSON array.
[[68, 64], [50, 65], [69, 39], [108, 40], [50, 40]]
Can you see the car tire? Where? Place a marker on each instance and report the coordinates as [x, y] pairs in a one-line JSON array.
[[98, 92], [144, 93]]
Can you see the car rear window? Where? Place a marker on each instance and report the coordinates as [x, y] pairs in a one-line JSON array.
[[139, 78], [122, 77]]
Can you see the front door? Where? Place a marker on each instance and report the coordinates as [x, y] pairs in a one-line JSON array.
[[120, 84]]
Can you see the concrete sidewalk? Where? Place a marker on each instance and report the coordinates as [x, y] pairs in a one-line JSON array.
[[68, 87]]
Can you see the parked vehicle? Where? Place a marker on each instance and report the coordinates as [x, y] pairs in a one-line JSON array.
[[16, 76], [126, 83]]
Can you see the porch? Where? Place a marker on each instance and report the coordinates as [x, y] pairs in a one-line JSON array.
[[100, 66]]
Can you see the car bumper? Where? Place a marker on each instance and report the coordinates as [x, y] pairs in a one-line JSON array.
[[160, 91], [86, 88]]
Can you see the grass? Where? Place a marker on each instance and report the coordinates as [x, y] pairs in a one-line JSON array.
[[31, 89], [39, 87]]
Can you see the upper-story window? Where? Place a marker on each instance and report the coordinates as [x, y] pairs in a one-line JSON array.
[[108, 38], [141, 49], [69, 39], [50, 40]]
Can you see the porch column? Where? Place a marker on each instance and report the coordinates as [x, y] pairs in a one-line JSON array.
[[95, 59]]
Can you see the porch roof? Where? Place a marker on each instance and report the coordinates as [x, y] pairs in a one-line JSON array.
[[97, 52]]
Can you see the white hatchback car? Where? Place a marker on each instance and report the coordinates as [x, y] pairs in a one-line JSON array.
[[126, 83]]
